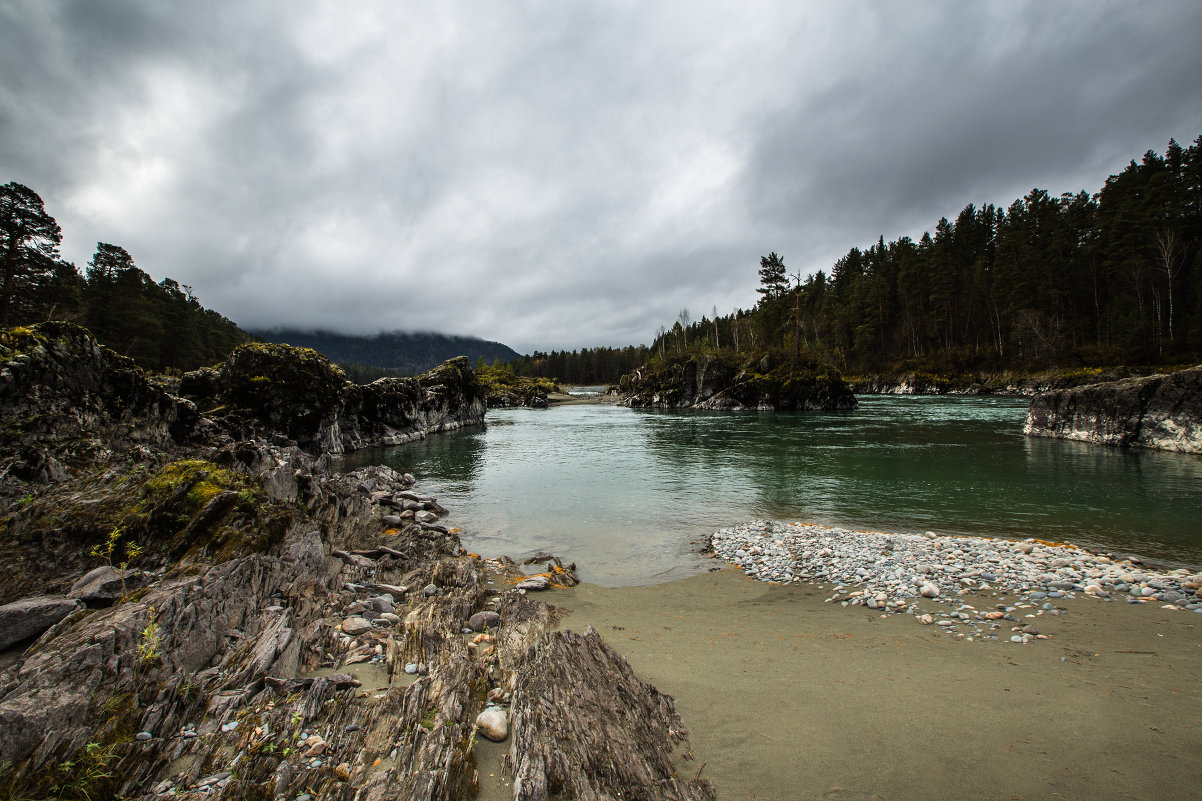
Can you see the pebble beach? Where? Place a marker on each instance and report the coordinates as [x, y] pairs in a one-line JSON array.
[[928, 575]]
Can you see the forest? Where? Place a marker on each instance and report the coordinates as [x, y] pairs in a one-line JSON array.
[[1076, 280], [161, 326], [586, 367]]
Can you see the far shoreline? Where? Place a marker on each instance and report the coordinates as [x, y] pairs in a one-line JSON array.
[[567, 399]]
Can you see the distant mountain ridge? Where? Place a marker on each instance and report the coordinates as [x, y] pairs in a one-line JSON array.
[[413, 352]]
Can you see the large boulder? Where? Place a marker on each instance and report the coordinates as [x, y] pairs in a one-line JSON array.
[[29, 617], [493, 723], [1160, 411], [722, 381]]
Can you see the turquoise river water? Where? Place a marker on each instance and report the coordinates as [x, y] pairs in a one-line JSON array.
[[631, 495]]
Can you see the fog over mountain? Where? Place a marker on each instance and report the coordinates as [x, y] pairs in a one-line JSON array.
[[408, 352]]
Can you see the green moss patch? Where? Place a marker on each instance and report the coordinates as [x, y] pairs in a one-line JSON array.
[[196, 482]]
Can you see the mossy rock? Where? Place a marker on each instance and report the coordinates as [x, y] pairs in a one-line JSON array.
[[295, 391], [502, 387], [59, 385]]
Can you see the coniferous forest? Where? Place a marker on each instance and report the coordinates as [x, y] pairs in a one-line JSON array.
[[1076, 280], [161, 326]]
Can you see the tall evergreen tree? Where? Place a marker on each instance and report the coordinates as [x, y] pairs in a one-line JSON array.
[[29, 239], [774, 280]]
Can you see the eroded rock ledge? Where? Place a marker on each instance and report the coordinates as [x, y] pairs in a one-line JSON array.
[[282, 629], [1161, 411], [723, 381], [1002, 382]]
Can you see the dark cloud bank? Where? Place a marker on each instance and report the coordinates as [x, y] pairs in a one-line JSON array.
[[558, 175]]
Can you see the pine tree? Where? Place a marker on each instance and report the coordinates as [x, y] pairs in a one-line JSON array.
[[29, 238], [774, 281]]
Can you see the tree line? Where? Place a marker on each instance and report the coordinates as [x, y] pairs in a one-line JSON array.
[[584, 367], [1103, 279], [162, 326]]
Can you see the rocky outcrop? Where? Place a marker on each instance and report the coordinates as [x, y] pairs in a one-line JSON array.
[[299, 393], [502, 388], [58, 385], [716, 381], [1003, 382], [530, 397], [1161, 411], [920, 384], [60, 388], [282, 630]]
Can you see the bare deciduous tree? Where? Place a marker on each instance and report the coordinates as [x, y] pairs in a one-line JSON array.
[[683, 320], [1166, 247]]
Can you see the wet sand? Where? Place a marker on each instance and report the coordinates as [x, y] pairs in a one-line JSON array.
[[786, 697]]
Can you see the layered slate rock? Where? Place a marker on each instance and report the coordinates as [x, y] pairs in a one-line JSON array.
[[579, 688], [1160, 411], [717, 381]]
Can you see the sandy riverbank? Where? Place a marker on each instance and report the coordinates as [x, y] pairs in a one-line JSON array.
[[786, 697], [564, 399]]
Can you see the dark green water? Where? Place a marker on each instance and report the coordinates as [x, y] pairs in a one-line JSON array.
[[630, 494]]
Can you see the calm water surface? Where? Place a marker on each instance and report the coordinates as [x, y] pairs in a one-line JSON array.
[[630, 495]]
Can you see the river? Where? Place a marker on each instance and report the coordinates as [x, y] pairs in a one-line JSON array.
[[631, 495]]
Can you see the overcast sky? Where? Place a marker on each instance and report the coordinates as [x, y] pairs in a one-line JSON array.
[[559, 174]]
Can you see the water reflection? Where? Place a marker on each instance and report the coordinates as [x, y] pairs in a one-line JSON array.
[[627, 493], [457, 458], [1142, 501]]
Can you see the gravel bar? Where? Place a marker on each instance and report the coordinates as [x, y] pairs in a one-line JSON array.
[[897, 573]]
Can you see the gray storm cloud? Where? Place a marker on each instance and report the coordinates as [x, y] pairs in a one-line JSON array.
[[558, 175]]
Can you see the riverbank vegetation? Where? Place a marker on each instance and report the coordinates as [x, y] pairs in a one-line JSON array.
[[1103, 279], [504, 387]]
